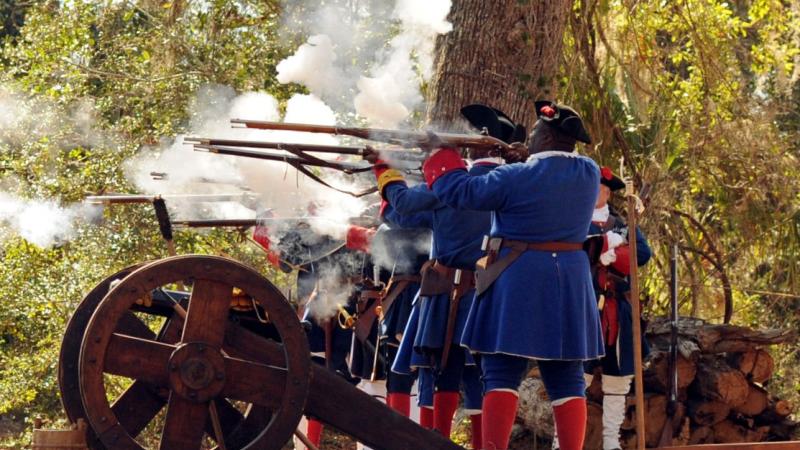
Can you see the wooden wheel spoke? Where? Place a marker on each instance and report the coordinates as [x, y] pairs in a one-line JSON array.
[[229, 418], [184, 425], [133, 326], [137, 406], [254, 383], [139, 359], [206, 318]]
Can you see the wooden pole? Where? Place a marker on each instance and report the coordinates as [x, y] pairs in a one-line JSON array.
[[637, 314]]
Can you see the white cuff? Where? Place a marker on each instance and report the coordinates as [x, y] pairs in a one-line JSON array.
[[608, 257]]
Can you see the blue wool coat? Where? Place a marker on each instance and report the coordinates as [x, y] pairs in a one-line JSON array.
[[457, 238], [619, 360], [543, 305]]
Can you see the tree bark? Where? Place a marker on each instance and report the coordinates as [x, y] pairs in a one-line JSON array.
[[503, 53]]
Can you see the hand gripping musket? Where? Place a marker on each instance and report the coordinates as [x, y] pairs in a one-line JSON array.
[[407, 139]]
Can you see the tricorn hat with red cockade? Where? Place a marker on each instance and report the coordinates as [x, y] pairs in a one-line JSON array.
[[564, 119], [608, 178]]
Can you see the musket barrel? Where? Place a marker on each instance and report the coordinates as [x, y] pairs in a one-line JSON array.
[[211, 223], [290, 147], [115, 199], [250, 153], [397, 137]]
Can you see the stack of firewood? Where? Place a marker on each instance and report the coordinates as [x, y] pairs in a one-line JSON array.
[[723, 377], [723, 395]]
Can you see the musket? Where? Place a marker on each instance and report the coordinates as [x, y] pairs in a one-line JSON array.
[[302, 149], [407, 139], [672, 403], [306, 160], [118, 199], [633, 203], [298, 162], [212, 223]]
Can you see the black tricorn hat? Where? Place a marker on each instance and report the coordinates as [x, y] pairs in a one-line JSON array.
[[496, 123], [608, 178], [564, 119]]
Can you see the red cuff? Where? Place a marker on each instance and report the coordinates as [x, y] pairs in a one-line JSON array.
[[384, 206], [261, 235], [623, 262], [444, 161], [359, 238], [379, 167]]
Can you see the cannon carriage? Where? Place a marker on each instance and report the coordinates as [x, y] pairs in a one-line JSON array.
[[222, 377]]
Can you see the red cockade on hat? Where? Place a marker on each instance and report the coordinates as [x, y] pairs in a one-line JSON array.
[[548, 111], [606, 173]]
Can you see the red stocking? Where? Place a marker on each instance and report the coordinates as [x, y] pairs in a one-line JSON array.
[[477, 435], [426, 417], [499, 411], [570, 420], [400, 403], [444, 408], [314, 431]]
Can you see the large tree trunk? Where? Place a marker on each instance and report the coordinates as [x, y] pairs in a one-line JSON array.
[[504, 53]]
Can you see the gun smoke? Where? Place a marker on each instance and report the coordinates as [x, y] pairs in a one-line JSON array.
[[385, 82], [43, 222], [276, 186], [25, 122]]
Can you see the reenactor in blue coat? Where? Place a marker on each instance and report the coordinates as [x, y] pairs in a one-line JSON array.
[[535, 296], [447, 287], [609, 254]]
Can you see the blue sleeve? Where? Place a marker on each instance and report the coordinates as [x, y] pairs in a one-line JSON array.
[[643, 252], [458, 189], [422, 219], [410, 200]]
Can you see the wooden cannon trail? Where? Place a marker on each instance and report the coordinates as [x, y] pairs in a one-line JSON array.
[[217, 375]]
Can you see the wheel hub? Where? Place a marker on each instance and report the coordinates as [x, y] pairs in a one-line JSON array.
[[197, 372]]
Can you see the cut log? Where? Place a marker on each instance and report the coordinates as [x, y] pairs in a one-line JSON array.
[[782, 431], [776, 411], [717, 338], [757, 401], [716, 380], [657, 376], [757, 364], [655, 418], [728, 432], [701, 435], [708, 412]]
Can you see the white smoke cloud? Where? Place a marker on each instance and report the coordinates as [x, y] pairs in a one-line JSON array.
[[381, 83], [313, 65], [391, 92], [277, 186], [43, 222]]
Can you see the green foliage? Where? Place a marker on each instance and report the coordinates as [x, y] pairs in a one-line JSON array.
[[705, 96], [136, 65]]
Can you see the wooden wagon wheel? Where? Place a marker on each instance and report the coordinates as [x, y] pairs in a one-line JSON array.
[[196, 370], [140, 402]]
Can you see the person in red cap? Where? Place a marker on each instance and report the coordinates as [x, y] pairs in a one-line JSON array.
[[535, 299], [609, 253]]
